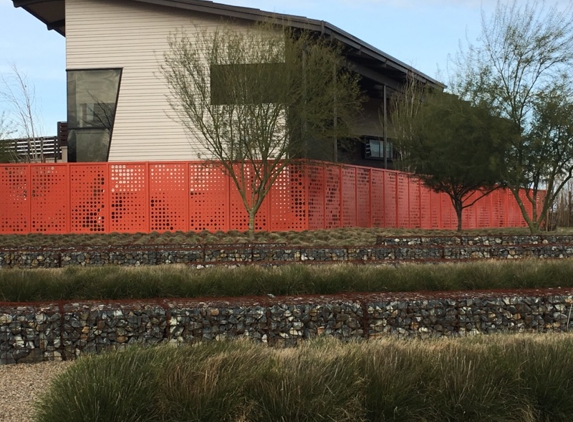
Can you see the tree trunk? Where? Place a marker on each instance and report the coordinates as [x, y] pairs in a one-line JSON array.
[[252, 215], [458, 206], [534, 227]]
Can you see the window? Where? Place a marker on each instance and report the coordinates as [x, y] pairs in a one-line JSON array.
[[374, 149], [92, 101], [258, 83]]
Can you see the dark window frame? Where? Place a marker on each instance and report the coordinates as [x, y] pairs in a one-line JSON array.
[[388, 146], [72, 129]]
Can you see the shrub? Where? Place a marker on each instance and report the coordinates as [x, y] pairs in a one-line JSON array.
[[502, 378]]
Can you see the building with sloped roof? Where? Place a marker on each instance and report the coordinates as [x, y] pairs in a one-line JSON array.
[[117, 99]]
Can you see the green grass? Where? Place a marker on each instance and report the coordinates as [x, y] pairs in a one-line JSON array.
[[495, 378], [113, 282], [331, 237]]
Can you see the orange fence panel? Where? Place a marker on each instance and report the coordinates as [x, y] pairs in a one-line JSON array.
[[348, 197], [14, 193], [288, 200], [363, 198], [390, 200], [170, 196], [332, 207], [377, 198], [168, 204], [129, 202], [49, 199], [448, 214], [469, 214], [316, 188], [414, 205], [427, 208], [208, 188], [89, 198], [402, 200]]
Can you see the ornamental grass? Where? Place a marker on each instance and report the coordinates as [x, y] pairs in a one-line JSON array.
[[487, 378]]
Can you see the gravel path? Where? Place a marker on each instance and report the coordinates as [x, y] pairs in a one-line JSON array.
[[21, 384]]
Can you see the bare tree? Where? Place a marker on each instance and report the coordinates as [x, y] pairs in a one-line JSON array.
[[19, 95], [522, 68], [6, 147], [254, 99]]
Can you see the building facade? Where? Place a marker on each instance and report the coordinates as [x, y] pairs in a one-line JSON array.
[[118, 107]]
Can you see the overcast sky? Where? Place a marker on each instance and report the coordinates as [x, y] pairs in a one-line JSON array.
[[421, 33]]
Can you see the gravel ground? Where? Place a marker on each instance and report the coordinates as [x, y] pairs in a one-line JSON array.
[[21, 384]]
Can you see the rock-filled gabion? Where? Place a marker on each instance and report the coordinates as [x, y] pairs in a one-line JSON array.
[[388, 250], [36, 333]]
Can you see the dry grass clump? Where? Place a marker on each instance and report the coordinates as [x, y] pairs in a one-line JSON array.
[[113, 282], [330, 237], [496, 378]]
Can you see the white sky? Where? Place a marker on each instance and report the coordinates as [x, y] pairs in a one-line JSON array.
[[421, 33]]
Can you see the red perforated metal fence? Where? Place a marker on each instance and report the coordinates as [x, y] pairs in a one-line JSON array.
[[172, 196]]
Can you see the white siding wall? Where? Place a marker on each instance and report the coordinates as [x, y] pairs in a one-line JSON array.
[[133, 36]]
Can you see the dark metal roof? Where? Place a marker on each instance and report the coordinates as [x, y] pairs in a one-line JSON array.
[[368, 60]]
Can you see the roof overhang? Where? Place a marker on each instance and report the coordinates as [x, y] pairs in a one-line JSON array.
[[369, 61], [51, 12]]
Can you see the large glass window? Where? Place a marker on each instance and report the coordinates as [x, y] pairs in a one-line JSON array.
[[92, 102]]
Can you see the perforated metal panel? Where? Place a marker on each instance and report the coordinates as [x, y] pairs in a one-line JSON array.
[[131, 197], [287, 199], [129, 202], [316, 188], [50, 199], [168, 198], [414, 204], [483, 212], [208, 197], [436, 210], [363, 217], [497, 206], [239, 219], [403, 203], [333, 208], [427, 208], [377, 198], [390, 199], [516, 214], [449, 220], [89, 199], [512, 218], [15, 208], [469, 214], [349, 213]]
